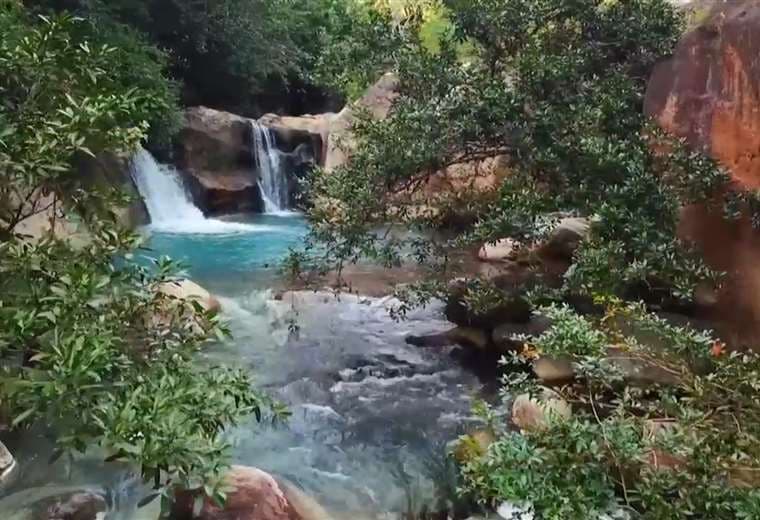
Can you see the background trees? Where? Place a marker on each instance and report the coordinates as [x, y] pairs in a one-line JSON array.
[[246, 56]]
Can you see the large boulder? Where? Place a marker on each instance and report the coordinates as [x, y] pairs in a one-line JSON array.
[[708, 91], [215, 150], [189, 290], [709, 94], [502, 250], [566, 237], [378, 101], [254, 495]]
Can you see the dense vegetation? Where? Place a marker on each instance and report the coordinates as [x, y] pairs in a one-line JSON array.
[[246, 56], [90, 344], [557, 86]]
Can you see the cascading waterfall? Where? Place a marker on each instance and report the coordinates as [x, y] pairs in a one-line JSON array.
[[169, 205], [162, 190], [272, 180]]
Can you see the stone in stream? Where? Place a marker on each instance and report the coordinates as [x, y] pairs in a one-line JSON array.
[[255, 495]]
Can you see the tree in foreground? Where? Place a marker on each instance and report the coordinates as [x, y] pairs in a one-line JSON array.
[[90, 345], [557, 86]]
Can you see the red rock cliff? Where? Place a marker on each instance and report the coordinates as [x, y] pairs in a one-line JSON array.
[[709, 93]]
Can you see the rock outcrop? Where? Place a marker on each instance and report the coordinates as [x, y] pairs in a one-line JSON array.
[[709, 94], [295, 131], [189, 290], [378, 101], [215, 151], [254, 495]]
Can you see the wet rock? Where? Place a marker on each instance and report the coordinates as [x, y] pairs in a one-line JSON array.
[[304, 506], [515, 511], [79, 506], [254, 495], [292, 132], [8, 467], [500, 251], [431, 340], [189, 290], [529, 413]]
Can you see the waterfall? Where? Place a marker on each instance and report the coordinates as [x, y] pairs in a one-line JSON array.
[[272, 181], [169, 205], [163, 191]]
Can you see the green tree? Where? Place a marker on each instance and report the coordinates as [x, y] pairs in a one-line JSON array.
[[558, 87], [90, 344], [247, 56]]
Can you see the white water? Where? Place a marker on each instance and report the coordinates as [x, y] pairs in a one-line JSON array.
[[272, 180], [169, 205]]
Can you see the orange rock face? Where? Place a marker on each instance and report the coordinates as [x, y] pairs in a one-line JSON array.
[[709, 94]]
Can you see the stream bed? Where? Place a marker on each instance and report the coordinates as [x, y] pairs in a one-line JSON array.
[[371, 415]]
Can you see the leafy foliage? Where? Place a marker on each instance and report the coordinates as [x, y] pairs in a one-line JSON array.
[[682, 450], [558, 88], [247, 56], [90, 342]]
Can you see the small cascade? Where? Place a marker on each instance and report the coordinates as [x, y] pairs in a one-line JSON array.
[[272, 180], [170, 207], [162, 190]]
